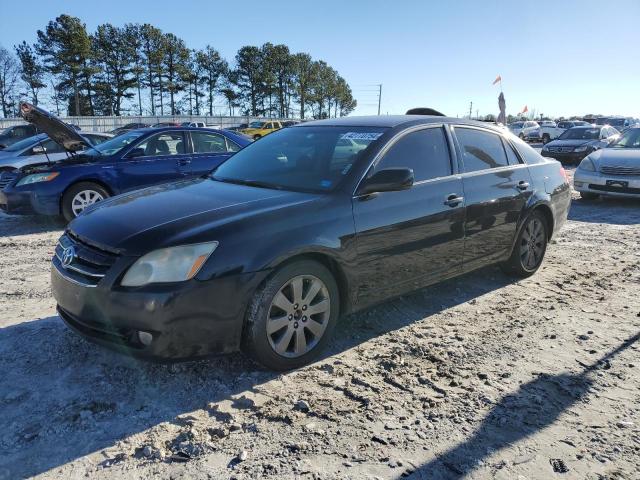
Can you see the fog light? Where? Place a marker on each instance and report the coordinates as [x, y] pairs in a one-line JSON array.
[[145, 338]]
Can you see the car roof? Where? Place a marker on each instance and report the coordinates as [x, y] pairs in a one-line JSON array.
[[389, 121]]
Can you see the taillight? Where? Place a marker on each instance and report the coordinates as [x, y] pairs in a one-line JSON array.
[[564, 174]]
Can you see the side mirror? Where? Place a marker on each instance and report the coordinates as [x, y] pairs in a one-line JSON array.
[[388, 180], [38, 150], [135, 153]]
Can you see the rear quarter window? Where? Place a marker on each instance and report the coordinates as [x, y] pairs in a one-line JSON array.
[[528, 154]]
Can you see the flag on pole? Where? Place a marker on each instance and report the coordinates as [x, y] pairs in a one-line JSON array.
[[498, 79], [525, 109]]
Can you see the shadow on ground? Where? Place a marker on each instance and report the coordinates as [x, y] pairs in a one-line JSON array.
[[535, 406], [616, 211], [62, 398], [17, 225]]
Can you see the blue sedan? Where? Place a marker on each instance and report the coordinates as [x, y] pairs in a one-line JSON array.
[[136, 159]]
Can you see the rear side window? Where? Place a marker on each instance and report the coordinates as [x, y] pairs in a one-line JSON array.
[[530, 156], [204, 142], [480, 150], [511, 155], [425, 151]]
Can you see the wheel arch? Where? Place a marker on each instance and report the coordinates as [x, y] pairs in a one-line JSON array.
[[546, 212], [85, 180]]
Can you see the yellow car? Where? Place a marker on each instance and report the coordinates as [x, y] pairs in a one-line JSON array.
[[259, 129]]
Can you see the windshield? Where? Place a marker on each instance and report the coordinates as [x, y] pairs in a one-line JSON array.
[[115, 144], [256, 124], [629, 139], [22, 144], [616, 122], [308, 159], [580, 133]]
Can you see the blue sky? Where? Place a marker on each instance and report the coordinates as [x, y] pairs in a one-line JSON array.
[[557, 57]]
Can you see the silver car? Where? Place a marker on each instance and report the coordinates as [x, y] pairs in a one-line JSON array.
[[38, 148], [614, 170]]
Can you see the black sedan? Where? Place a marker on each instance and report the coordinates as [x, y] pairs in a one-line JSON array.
[[578, 142], [294, 231]]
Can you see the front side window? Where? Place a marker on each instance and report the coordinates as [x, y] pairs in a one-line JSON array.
[[299, 159], [256, 124], [629, 139], [204, 142], [115, 144], [162, 144], [424, 151], [480, 149]]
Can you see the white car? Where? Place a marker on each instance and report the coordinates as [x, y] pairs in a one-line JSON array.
[[550, 130], [523, 129], [194, 124], [614, 170], [38, 149]]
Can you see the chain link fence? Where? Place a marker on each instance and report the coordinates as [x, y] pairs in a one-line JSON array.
[[105, 124]]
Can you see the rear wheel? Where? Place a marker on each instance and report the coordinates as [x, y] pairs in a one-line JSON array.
[[589, 196], [292, 316], [530, 247], [81, 196], [521, 135]]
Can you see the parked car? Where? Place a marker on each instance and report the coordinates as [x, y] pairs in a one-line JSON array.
[[135, 159], [239, 127], [611, 171], [128, 127], [40, 148], [620, 123], [165, 124], [14, 134], [195, 124], [259, 129], [266, 253], [523, 129], [578, 142], [550, 130]]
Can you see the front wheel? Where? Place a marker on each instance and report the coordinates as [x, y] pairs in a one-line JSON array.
[[81, 196], [292, 316], [530, 247], [545, 139]]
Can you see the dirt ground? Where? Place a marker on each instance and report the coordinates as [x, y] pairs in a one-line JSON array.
[[480, 377]]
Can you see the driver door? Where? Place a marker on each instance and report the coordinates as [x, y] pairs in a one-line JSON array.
[[159, 158]]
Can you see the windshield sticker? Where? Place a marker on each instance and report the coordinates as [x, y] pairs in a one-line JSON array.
[[325, 183], [367, 136]]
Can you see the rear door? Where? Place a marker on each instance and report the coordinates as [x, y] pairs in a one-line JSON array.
[[159, 158], [409, 238], [496, 188], [209, 150]]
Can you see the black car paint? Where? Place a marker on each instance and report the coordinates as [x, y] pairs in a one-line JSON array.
[[377, 245]]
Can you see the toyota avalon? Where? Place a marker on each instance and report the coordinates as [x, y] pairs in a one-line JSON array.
[[267, 252]]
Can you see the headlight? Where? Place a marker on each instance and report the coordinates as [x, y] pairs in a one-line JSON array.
[[587, 164], [583, 148], [37, 177], [175, 264]]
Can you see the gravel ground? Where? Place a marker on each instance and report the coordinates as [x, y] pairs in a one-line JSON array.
[[479, 377]]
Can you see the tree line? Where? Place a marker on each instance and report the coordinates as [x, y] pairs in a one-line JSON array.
[[139, 69]]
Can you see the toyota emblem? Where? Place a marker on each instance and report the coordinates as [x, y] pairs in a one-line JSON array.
[[68, 254]]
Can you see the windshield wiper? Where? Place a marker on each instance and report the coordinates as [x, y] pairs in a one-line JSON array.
[[249, 183]]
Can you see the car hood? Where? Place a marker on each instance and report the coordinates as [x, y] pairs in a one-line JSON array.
[[61, 133], [569, 143], [175, 214], [617, 157]]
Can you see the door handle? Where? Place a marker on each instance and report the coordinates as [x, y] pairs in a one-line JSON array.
[[453, 200], [522, 185], [184, 161]]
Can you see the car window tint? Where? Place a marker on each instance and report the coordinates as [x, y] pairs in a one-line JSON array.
[[480, 149], [169, 143], [204, 142], [425, 151], [52, 147], [232, 147], [96, 139], [512, 158]]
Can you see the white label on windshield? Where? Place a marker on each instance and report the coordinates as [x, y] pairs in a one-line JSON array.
[[368, 136]]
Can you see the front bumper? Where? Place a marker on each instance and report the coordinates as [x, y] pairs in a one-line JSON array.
[[568, 157], [602, 184], [14, 201], [186, 320]]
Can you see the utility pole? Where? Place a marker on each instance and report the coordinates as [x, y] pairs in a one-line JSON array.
[[379, 97], [470, 110]]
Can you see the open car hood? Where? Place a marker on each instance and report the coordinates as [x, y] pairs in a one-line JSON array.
[[61, 133]]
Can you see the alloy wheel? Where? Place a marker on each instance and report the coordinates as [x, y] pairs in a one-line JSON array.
[[83, 199], [532, 244], [298, 316]]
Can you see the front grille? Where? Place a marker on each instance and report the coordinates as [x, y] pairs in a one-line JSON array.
[[6, 178], [618, 170], [612, 189], [88, 264], [561, 149]]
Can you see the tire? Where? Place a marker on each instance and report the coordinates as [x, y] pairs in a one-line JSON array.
[[272, 333], [92, 192], [589, 196], [521, 135], [257, 137], [526, 256], [546, 138]]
